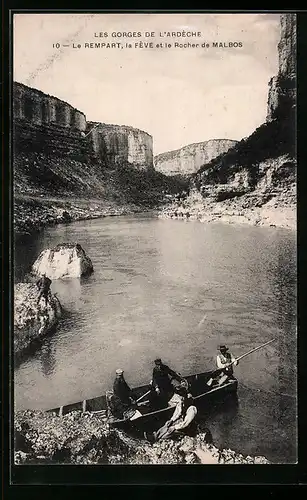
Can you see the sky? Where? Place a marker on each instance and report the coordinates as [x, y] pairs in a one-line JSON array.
[[178, 95]]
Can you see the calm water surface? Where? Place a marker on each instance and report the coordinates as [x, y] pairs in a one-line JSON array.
[[175, 290]]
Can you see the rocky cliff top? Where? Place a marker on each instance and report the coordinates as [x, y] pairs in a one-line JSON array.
[[112, 126], [270, 140], [31, 90], [282, 87], [168, 155]]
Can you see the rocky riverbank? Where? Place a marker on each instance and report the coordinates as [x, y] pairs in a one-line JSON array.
[[267, 205], [268, 215], [83, 438], [32, 214]]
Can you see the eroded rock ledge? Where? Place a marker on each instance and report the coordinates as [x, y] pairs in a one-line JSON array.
[[32, 320], [82, 438]]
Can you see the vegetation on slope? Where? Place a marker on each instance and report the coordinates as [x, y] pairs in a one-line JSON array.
[[51, 175], [270, 140]]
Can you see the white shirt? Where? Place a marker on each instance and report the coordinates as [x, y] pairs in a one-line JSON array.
[[189, 416], [221, 361], [178, 411], [180, 421]]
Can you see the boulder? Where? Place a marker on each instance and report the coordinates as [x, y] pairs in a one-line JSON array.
[[66, 260], [32, 320]]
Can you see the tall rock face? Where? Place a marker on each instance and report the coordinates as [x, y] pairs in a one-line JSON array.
[[116, 144], [44, 123], [282, 88], [189, 159], [58, 153], [255, 180]]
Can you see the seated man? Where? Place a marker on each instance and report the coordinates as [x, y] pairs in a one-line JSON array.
[[182, 418], [114, 405], [162, 377], [122, 391]]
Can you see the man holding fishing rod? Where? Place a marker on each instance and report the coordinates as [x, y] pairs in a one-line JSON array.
[[225, 362]]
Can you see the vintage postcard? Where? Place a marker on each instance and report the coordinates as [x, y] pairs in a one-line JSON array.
[[154, 167]]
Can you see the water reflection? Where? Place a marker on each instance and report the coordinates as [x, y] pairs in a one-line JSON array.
[[47, 357], [227, 421], [69, 292]]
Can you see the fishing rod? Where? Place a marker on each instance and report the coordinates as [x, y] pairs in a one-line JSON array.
[[229, 364], [249, 352], [240, 357], [245, 354]]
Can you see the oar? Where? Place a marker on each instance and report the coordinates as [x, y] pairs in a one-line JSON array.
[[146, 394]]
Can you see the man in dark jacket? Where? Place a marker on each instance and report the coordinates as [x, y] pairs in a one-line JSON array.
[[122, 390], [43, 284], [162, 377]]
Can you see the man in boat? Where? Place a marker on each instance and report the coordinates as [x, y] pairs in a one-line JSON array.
[[225, 361], [122, 391], [182, 418], [43, 285], [164, 379]]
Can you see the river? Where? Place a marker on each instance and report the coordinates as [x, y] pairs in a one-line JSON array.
[[175, 290]]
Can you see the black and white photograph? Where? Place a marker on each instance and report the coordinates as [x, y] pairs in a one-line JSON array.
[[154, 177]]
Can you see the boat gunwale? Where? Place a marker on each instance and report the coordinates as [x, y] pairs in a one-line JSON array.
[[228, 384], [84, 402]]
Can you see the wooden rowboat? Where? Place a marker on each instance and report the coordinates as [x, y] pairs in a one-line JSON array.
[[151, 411]]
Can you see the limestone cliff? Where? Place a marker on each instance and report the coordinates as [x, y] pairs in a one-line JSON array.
[[121, 144], [46, 123], [61, 164], [255, 181], [189, 159], [282, 87]]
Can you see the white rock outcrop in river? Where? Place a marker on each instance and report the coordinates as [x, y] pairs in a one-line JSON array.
[[32, 320], [63, 261]]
